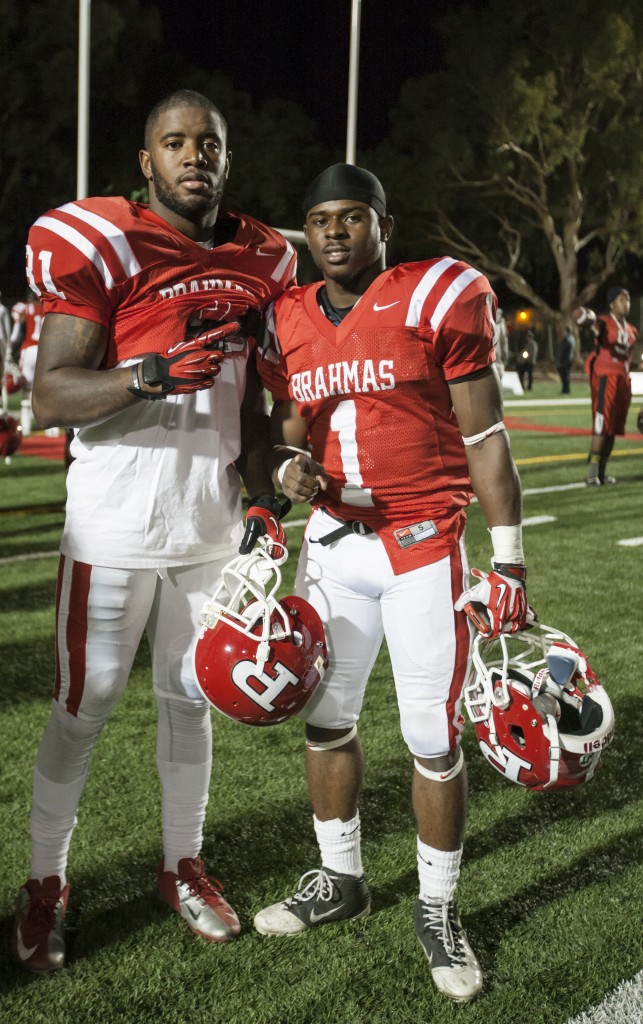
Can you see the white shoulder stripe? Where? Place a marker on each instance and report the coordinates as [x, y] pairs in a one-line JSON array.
[[280, 269], [79, 242], [451, 294], [427, 283], [116, 238], [423, 288]]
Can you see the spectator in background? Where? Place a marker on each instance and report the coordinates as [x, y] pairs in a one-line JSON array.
[[565, 358], [526, 360], [501, 342]]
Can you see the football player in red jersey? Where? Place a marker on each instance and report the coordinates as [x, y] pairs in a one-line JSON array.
[[609, 377], [27, 317], [385, 388], [144, 351]]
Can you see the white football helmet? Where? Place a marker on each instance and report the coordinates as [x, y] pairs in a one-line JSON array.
[[541, 716], [257, 659]]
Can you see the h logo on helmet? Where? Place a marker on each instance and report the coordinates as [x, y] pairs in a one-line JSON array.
[[513, 763], [244, 671]]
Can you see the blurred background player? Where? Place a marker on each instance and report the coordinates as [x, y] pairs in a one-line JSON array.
[[5, 335], [388, 376], [609, 376], [501, 342], [27, 323], [142, 352], [526, 360], [565, 352]]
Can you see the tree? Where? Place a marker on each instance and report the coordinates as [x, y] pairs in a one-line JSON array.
[[523, 154]]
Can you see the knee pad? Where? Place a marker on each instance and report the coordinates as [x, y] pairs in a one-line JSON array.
[[333, 744], [446, 776]]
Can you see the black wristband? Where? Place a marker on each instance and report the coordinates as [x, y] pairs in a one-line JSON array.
[[135, 388]]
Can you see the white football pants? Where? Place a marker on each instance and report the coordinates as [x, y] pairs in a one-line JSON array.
[[101, 615], [360, 600]]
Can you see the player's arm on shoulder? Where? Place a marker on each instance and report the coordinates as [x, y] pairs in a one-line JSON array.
[[69, 390], [294, 471]]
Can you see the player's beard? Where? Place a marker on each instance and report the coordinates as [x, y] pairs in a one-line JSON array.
[[191, 208]]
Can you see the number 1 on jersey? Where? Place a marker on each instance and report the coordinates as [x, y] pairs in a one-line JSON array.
[[344, 423]]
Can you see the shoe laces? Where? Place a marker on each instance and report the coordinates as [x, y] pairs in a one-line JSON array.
[[42, 913], [320, 887], [203, 887], [441, 919]]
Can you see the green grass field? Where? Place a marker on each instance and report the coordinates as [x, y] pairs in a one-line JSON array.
[[551, 884]]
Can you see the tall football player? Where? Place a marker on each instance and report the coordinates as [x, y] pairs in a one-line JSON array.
[[608, 367], [144, 352], [384, 380]]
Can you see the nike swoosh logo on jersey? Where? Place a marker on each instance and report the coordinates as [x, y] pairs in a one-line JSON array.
[[260, 253], [23, 952], [378, 309], [315, 917]]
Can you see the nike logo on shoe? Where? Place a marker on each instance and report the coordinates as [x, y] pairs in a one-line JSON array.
[[378, 308], [315, 917], [23, 952]]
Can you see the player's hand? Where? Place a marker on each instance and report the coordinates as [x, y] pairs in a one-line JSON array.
[[303, 478], [187, 366], [262, 520], [498, 604]]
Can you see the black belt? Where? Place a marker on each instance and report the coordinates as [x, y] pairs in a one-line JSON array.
[[348, 526]]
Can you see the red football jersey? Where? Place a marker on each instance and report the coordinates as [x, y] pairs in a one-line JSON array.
[[29, 315], [374, 392], [615, 341], [118, 264]]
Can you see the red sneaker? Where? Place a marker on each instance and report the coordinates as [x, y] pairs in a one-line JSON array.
[[38, 942], [199, 900]]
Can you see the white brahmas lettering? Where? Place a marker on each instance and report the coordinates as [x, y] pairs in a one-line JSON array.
[[201, 284], [343, 378]]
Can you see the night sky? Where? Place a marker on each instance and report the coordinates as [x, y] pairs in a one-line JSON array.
[[300, 50]]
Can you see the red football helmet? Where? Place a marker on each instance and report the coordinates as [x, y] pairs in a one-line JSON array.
[[258, 660], [10, 436], [541, 716]]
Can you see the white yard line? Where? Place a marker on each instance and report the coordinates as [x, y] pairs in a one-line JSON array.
[[631, 542], [622, 1006], [522, 403]]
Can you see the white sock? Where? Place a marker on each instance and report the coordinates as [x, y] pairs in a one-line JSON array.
[[438, 871], [340, 845], [61, 770], [185, 798], [184, 762], [53, 818]]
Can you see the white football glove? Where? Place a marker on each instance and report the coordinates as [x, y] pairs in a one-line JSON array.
[[498, 604]]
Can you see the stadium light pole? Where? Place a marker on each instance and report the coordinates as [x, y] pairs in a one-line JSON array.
[[82, 145], [351, 112], [353, 82]]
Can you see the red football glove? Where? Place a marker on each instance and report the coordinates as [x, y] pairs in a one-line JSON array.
[[187, 366], [262, 520], [498, 604]]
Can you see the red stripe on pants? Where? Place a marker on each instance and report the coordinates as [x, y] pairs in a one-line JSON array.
[[59, 584], [77, 633], [462, 646]]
